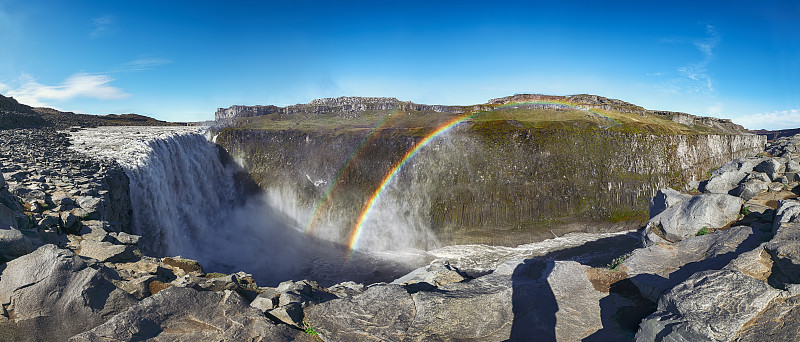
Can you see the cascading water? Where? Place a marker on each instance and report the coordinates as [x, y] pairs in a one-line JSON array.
[[188, 200]]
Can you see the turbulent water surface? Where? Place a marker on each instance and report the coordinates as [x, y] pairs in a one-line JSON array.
[[188, 199]]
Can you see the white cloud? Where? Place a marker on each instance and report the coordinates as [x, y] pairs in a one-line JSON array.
[[715, 109], [33, 93], [3, 87], [101, 26], [780, 119]]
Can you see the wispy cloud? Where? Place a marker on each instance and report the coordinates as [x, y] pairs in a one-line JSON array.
[[33, 93], [691, 77], [697, 72], [773, 120], [141, 64], [101, 25]]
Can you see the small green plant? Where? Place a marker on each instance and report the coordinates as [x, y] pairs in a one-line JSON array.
[[745, 211], [702, 231], [31, 222], [308, 329], [617, 262]]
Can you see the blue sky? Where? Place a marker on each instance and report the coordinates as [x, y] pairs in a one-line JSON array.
[[180, 60]]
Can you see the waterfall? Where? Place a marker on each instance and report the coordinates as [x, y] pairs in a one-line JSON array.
[[188, 199]]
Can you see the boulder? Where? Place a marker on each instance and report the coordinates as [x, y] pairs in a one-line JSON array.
[[658, 268], [2, 181], [665, 198], [708, 306], [346, 289], [381, 313], [772, 167], [124, 238], [106, 251], [69, 222], [777, 322], [787, 211], [792, 166], [54, 294], [184, 314], [710, 211], [727, 177], [12, 243], [749, 189]]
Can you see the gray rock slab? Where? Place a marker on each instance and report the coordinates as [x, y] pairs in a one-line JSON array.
[[785, 250], [659, 267], [772, 167], [779, 321], [184, 314], [7, 216], [105, 251], [381, 313], [436, 274], [54, 294], [709, 306]]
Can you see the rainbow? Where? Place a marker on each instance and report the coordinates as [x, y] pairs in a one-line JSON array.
[[390, 176], [326, 197]]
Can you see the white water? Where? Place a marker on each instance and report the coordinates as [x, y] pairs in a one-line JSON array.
[[185, 202]]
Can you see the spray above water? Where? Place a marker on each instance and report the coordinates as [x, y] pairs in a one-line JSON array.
[[325, 201], [368, 208]]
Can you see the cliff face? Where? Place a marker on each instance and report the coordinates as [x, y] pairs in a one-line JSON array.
[[482, 182]]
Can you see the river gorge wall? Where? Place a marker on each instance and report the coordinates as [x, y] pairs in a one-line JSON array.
[[481, 182]]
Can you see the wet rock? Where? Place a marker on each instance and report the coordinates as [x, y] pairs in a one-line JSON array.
[[710, 211], [51, 294], [709, 306], [664, 199], [183, 314]]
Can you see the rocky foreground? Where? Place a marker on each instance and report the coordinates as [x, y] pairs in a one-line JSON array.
[[720, 263]]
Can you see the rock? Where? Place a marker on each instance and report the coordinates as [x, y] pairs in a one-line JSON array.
[[291, 314], [756, 264], [665, 198], [436, 274], [184, 314], [187, 265], [139, 287], [772, 167], [785, 250], [90, 204], [727, 177], [12, 243], [93, 230], [125, 238], [710, 211], [2, 181], [777, 322], [266, 300], [54, 294], [346, 289], [787, 211], [69, 222], [657, 268], [792, 166], [709, 306], [106, 251], [749, 189], [381, 313], [7, 217]]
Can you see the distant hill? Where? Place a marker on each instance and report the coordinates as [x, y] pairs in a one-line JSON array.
[[16, 115], [772, 135]]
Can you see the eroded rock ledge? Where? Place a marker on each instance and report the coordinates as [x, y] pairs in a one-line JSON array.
[[721, 263]]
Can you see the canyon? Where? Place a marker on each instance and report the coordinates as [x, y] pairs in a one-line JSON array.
[[529, 216]]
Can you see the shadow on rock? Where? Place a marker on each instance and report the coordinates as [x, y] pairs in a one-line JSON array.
[[533, 302]]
